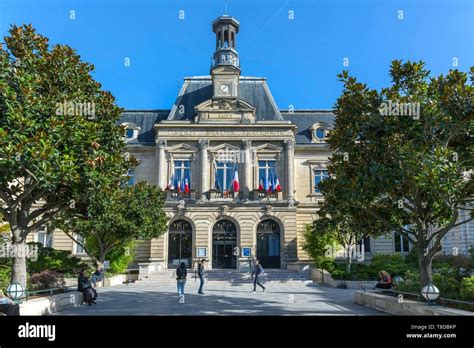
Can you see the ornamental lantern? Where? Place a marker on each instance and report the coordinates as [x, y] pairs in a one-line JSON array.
[[15, 291], [430, 292]]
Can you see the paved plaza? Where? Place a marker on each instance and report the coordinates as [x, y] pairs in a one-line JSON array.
[[223, 298]]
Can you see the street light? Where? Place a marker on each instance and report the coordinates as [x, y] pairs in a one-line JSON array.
[[430, 292]]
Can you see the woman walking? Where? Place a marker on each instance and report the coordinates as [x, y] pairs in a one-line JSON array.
[[181, 274]]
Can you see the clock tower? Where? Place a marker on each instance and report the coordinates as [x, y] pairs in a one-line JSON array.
[[225, 68]]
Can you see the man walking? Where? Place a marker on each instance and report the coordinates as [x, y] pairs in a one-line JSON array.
[[257, 271], [200, 272]]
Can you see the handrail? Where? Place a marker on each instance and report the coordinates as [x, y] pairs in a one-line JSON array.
[[28, 293]]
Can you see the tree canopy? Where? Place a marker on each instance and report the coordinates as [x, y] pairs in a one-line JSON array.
[[403, 156]]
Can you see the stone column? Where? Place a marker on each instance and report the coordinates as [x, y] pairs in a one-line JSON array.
[[290, 172], [205, 170], [247, 182], [160, 152]]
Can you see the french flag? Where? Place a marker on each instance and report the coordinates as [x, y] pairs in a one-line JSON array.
[[186, 186], [170, 184], [277, 185], [268, 185], [235, 182], [179, 185], [260, 186]]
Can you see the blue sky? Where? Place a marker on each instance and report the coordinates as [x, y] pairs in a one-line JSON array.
[[300, 57]]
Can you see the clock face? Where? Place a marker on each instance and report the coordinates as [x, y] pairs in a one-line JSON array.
[[224, 89]]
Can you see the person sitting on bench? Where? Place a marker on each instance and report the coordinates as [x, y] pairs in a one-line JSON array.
[[7, 306], [385, 281]]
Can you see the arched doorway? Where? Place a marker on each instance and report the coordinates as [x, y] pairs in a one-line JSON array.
[[224, 244], [180, 245], [268, 243]]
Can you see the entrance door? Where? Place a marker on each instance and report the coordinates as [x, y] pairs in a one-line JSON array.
[[224, 244], [268, 244], [180, 244]]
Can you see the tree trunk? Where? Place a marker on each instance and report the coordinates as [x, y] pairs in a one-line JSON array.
[[426, 272], [19, 263], [349, 259]]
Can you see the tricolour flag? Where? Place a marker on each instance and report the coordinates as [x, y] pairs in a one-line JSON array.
[[268, 185], [170, 184], [277, 185], [186, 185], [179, 185], [235, 182], [260, 186]]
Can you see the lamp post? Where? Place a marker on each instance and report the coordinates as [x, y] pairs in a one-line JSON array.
[[430, 292]]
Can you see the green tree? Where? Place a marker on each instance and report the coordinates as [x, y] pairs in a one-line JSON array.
[[110, 218], [58, 133], [409, 172]]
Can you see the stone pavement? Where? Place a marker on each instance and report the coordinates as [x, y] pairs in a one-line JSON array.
[[289, 297]]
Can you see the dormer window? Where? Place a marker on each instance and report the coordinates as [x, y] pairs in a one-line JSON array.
[[319, 132], [131, 131]]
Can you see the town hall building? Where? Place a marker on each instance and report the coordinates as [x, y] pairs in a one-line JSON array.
[[241, 175]]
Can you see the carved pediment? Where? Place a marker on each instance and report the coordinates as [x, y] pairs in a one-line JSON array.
[[269, 148], [226, 111], [182, 148]]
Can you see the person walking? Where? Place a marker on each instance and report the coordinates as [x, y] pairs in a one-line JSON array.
[[257, 271], [200, 272], [181, 274]]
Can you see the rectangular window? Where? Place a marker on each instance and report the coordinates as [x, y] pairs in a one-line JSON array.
[[401, 243], [131, 177], [366, 243], [267, 174], [182, 175], [44, 237], [79, 249], [224, 173], [319, 175]]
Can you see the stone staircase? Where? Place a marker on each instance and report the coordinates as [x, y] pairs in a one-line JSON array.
[[230, 276]]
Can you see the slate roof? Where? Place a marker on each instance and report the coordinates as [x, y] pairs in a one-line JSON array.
[[304, 119], [253, 90], [145, 119]]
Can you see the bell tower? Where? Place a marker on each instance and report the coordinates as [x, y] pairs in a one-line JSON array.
[[225, 67]]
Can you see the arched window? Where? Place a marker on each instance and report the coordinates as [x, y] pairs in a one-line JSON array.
[[226, 38]]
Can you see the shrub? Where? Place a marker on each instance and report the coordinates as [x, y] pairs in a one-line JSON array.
[[410, 282], [341, 275], [56, 260], [328, 264], [47, 280], [394, 264], [446, 281], [467, 289], [120, 258], [5, 273]]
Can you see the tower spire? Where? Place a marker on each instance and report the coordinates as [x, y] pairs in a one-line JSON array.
[[226, 28]]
